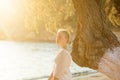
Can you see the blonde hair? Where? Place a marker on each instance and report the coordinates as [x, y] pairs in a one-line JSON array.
[[65, 32]]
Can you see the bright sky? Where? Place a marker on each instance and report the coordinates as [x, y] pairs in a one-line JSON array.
[[11, 14], [11, 8], [7, 7]]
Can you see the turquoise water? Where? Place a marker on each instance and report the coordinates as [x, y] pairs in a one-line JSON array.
[[29, 60]]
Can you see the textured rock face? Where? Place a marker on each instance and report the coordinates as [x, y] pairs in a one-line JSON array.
[[93, 36], [112, 9]]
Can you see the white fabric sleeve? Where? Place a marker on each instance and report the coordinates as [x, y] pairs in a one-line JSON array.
[[62, 62]]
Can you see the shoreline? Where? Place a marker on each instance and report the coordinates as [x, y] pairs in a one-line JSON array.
[[81, 76], [91, 76]]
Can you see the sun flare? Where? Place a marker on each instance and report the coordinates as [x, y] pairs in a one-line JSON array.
[[11, 16], [7, 7]]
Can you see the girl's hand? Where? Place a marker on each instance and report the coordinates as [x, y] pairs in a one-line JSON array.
[[51, 76], [55, 78]]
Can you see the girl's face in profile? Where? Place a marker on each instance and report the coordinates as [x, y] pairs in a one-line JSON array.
[[61, 39]]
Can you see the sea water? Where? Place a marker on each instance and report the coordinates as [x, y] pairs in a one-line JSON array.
[[29, 60]]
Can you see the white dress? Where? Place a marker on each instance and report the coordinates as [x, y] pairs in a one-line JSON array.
[[62, 64]]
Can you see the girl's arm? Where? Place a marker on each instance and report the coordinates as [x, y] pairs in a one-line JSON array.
[[52, 77], [55, 78]]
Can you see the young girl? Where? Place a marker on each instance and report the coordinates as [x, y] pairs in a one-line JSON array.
[[61, 70]]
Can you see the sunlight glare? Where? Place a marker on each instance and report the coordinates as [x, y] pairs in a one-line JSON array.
[[7, 7]]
